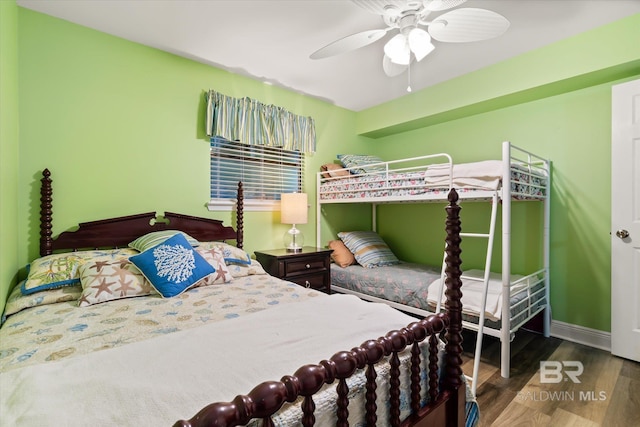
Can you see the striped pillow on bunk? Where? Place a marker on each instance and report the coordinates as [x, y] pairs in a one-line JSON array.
[[368, 248]]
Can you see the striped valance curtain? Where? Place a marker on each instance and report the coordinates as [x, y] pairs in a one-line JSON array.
[[254, 123]]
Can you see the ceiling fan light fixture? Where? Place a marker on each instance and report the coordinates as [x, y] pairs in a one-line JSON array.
[[397, 49], [420, 43]]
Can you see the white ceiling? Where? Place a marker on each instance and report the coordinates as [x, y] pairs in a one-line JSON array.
[[271, 40]]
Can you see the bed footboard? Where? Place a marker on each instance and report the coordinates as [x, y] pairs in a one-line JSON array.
[[446, 402], [268, 397]]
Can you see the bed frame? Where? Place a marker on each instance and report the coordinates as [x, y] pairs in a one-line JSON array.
[[537, 300], [118, 232], [447, 401]]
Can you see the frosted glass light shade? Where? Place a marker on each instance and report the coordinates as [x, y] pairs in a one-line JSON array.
[[420, 43], [397, 49]]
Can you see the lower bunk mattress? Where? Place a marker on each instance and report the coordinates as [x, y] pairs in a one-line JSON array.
[[414, 286]]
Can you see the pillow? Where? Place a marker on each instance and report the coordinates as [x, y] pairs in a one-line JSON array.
[[231, 254], [333, 170], [109, 280], [357, 163], [173, 266], [17, 302], [243, 270], [368, 248], [214, 257], [57, 270], [341, 255], [150, 240]]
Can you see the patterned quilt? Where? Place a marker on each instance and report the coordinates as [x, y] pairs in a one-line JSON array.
[[58, 331]]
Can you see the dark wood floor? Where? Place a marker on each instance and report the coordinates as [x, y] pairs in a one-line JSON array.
[[608, 393]]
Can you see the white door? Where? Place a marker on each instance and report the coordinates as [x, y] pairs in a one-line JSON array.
[[625, 221]]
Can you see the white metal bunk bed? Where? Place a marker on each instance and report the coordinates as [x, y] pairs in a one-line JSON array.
[[428, 179]]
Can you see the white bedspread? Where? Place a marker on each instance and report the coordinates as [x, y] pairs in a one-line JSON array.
[[472, 293], [158, 381], [484, 174]]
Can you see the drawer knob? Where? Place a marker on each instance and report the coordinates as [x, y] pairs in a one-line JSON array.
[[308, 266], [307, 284]]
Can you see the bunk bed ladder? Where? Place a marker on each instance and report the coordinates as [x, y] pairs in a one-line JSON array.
[[490, 236]]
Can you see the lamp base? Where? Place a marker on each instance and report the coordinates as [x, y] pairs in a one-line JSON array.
[[293, 240]]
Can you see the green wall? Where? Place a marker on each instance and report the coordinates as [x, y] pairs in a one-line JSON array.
[[8, 147], [120, 127], [574, 131], [559, 107]]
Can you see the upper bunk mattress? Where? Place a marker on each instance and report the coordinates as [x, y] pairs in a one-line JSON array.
[[433, 182]]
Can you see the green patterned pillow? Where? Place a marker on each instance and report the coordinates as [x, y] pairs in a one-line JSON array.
[[150, 240], [18, 302], [58, 270], [360, 163]]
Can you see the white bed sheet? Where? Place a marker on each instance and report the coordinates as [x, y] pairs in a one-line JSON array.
[[472, 293], [160, 380]]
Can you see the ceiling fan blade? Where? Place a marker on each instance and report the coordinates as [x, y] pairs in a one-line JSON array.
[[381, 7], [392, 69], [349, 43], [437, 5], [468, 25]]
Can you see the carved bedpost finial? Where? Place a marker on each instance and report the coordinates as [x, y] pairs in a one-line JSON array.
[[240, 216], [453, 378], [46, 220]]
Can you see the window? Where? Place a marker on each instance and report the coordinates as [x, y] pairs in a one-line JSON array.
[[265, 172]]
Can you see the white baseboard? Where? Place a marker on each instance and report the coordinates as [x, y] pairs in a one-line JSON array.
[[581, 335]]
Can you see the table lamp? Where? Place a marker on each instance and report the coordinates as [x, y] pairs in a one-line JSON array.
[[293, 210]]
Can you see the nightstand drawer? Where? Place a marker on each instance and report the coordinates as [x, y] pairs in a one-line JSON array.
[[311, 267], [314, 281], [307, 265]]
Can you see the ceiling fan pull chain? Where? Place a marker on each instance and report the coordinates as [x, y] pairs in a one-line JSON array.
[[409, 77]]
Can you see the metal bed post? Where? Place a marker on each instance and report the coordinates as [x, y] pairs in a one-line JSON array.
[[505, 329], [318, 213], [546, 326]]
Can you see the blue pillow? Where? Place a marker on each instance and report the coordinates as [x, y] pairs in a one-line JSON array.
[[172, 266]]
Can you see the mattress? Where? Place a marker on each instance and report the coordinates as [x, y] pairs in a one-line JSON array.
[[525, 183], [408, 284], [58, 331], [119, 351]]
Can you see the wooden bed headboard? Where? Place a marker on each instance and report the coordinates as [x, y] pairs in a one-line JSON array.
[[118, 232]]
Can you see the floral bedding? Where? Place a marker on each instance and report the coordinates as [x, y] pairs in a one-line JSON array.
[[524, 184], [405, 283], [61, 330]]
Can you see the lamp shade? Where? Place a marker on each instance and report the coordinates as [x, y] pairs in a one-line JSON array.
[[293, 208]]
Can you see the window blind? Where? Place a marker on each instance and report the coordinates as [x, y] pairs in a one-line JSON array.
[[265, 172]]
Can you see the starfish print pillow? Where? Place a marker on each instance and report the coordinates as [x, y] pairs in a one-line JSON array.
[[214, 257], [106, 280]]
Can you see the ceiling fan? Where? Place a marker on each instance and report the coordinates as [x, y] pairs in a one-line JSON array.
[[413, 42]]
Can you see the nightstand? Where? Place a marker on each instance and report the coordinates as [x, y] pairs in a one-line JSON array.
[[309, 268]]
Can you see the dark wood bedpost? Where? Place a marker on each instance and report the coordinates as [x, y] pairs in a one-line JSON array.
[[453, 349], [240, 216], [46, 219]]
